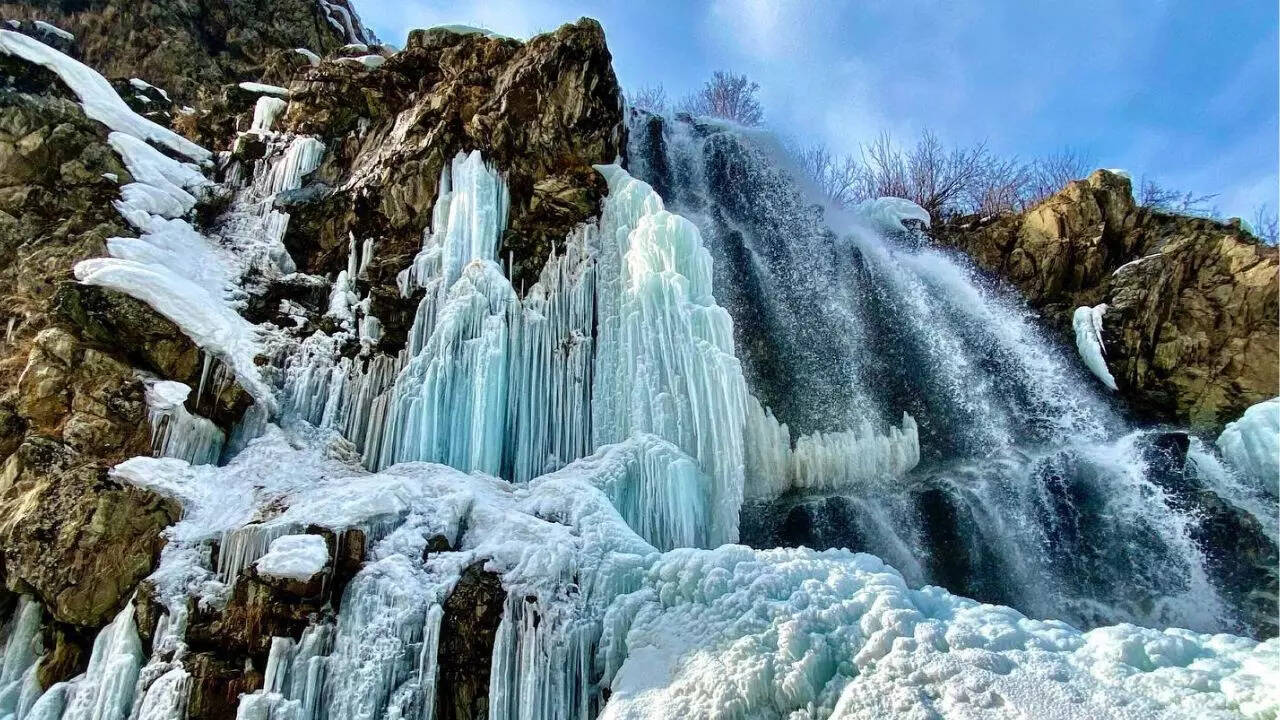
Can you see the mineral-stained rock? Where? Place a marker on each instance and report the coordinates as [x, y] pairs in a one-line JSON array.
[[1190, 327], [73, 537], [471, 616]]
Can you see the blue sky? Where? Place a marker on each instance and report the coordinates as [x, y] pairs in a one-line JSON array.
[[1182, 92]]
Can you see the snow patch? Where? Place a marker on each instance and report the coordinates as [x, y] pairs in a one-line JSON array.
[[98, 98], [262, 89], [54, 30]]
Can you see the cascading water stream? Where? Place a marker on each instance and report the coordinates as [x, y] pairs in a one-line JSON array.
[[1032, 490]]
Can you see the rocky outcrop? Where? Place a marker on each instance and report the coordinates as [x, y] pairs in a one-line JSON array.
[[1190, 328], [72, 400], [542, 111], [189, 49], [73, 537]]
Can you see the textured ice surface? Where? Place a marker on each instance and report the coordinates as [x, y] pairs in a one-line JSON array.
[[1088, 326], [799, 634]]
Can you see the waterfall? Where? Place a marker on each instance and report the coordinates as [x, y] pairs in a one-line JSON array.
[[1031, 489]]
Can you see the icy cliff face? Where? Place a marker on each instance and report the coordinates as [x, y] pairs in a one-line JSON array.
[[586, 443]]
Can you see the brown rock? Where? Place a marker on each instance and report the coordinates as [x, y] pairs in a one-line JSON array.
[[73, 537], [1190, 329], [467, 630]]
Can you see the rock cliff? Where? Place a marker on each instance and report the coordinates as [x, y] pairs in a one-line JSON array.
[[1190, 329]]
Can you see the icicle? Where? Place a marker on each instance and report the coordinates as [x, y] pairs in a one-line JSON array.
[[105, 691], [177, 433], [824, 461]]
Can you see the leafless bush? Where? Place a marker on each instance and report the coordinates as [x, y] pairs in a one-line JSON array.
[[1266, 226], [652, 98], [729, 96], [1051, 173], [1154, 196]]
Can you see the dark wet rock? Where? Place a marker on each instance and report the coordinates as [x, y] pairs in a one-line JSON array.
[[467, 631]]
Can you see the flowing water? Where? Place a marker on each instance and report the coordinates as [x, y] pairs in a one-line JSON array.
[[1033, 490]]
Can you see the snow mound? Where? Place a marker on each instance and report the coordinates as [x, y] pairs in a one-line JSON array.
[[294, 557]]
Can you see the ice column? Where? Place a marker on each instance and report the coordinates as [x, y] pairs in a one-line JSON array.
[[19, 688], [665, 362]]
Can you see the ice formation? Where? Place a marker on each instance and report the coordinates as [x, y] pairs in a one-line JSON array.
[[263, 89], [176, 432], [1252, 443], [294, 557], [1088, 326], [889, 213]]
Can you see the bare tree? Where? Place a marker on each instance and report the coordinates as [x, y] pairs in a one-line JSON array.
[[1001, 186], [1266, 226], [837, 178], [1153, 196], [652, 98], [1051, 173], [729, 96]]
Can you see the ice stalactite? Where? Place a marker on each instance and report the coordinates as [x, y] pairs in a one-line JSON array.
[[665, 362], [1087, 322], [177, 433], [542, 669], [388, 616], [824, 461], [21, 643]]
